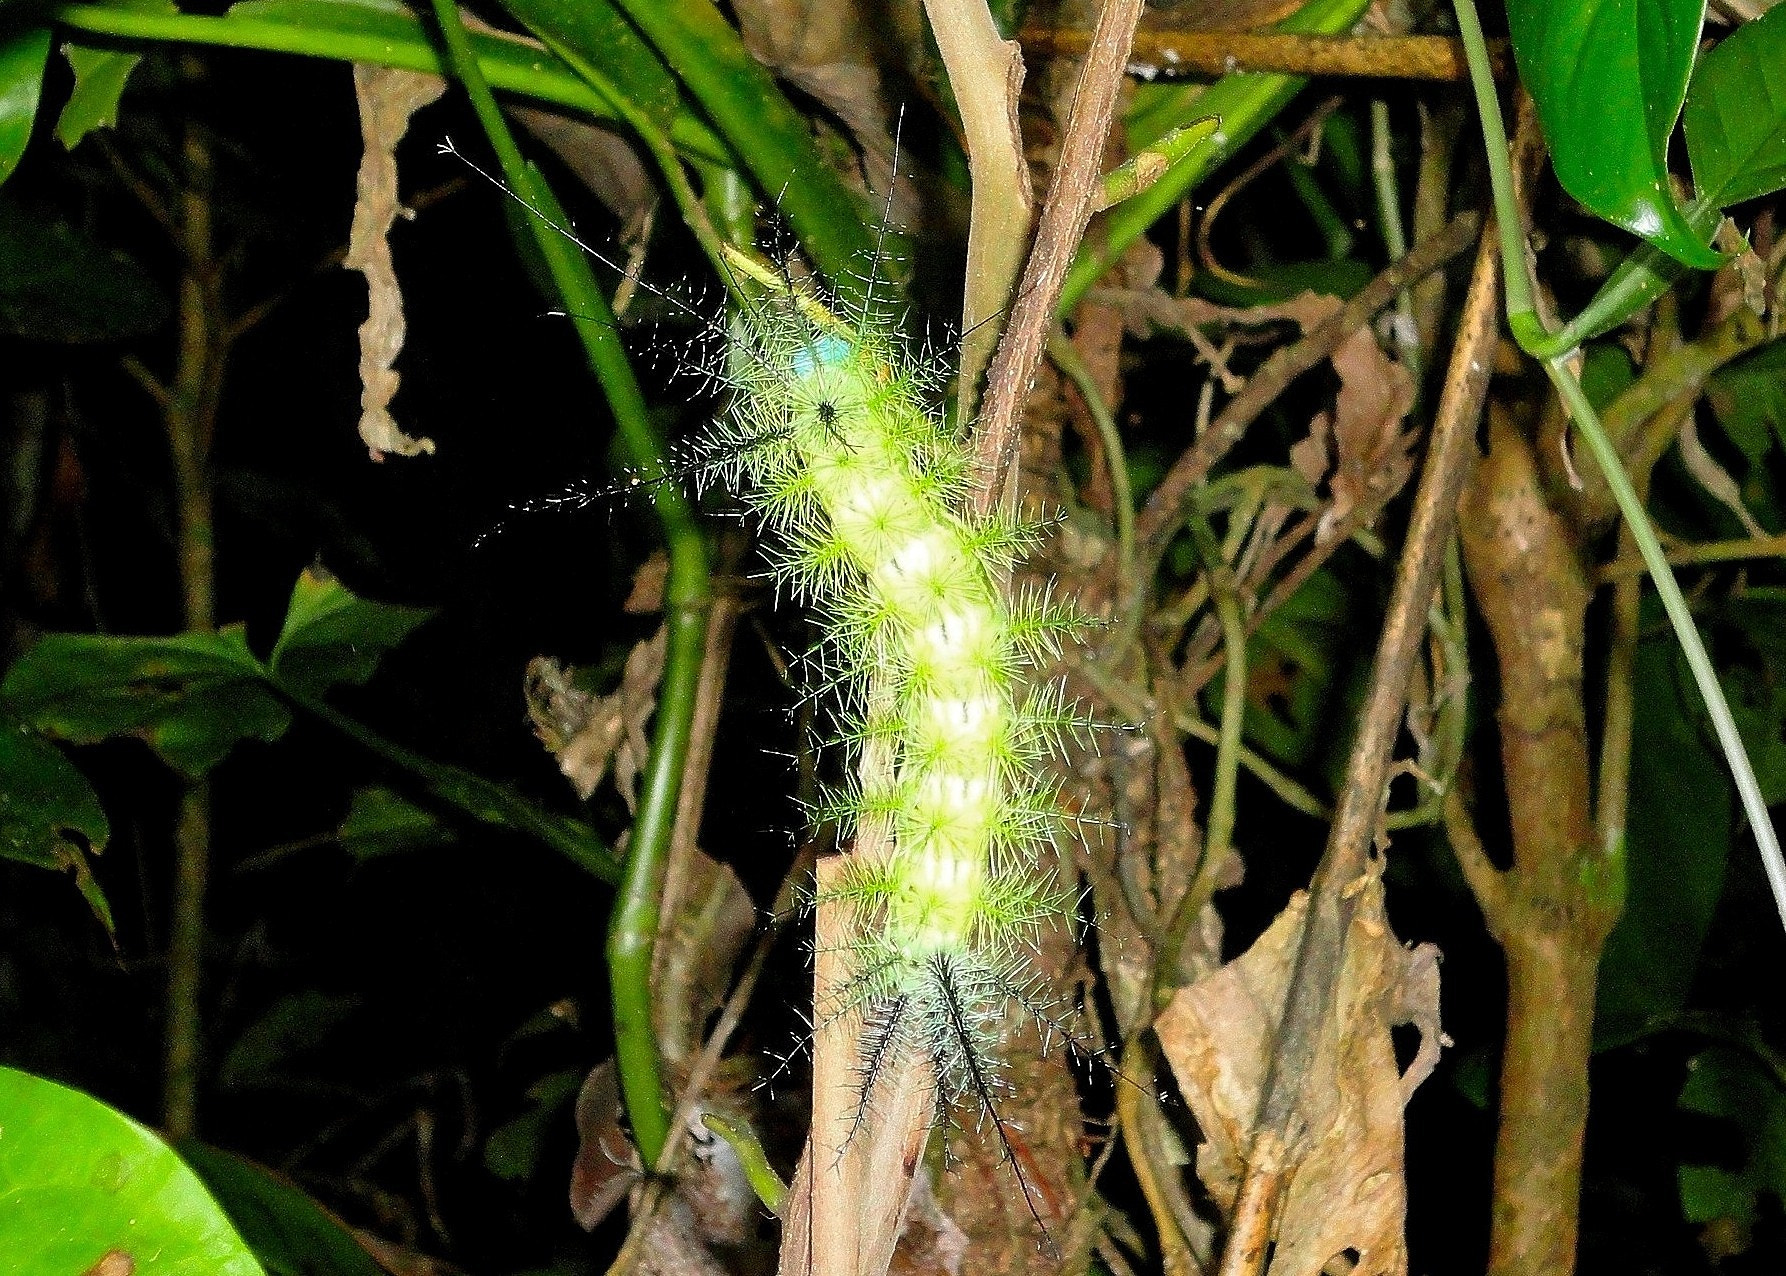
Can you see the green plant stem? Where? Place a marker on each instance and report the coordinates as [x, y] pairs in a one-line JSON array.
[[1395, 236], [536, 77], [1529, 330], [632, 929], [1122, 492]]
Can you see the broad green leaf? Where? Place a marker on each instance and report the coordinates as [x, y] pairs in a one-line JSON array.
[[289, 1026], [23, 55], [1609, 77], [382, 822], [1677, 838], [1749, 398], [1735, 1088], [331, 635], [49, 814], [288, 1231], [595, 30], [708, 56], [59, 284], [192, 697], [1736, 114], [99, 79], [79, 1182]]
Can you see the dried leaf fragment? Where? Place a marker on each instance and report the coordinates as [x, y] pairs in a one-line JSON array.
[[588, 732], [387, 99], [1344, 1163]]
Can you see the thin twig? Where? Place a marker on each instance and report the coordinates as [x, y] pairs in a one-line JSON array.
[[1078, 178], [1161, 514], [1319, 956]]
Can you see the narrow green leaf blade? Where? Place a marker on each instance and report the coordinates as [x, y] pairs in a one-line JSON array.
[[99, 79], [23, 56], [596, 30], [80, 1181], [1609, 77], [380, 821], [331, 635], [1736, 114]]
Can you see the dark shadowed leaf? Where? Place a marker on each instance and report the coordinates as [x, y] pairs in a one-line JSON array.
[[1609, 77], [58, 284], [1735, 1088], [290, 1026], [99, 79], [1736, 114], [49, 814], [382, 822], [287, 1230], [332, 636], [192, 697], [80, 1181], [23, 54]]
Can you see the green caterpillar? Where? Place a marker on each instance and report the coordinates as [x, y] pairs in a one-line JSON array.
[[834, 441]]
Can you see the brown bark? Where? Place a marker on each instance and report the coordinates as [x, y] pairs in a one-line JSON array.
[[1551, 911]]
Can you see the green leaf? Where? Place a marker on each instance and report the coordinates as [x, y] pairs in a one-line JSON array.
[[1677, 839], [23, 56], [380, 821], [99, 79], [1736, 114], [739, 94], [49, 814], [596, 30], [1749, 398], [1733, 1087], [288, 1231], [1609, 77], [192, 697], [331, 635], [290, 1026], [513, 1149], [60, 284], [79, 1181]]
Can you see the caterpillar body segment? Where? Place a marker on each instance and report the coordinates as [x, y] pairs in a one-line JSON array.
[[833, 442]]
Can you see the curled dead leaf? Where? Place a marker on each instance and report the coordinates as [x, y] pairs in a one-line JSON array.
[[1346, 1188], [387, 99], [588, 732]]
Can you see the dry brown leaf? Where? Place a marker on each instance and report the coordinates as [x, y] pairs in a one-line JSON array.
[[1344, 1164], [1360, 448], [704, 929], [387, 99], [587, 732]]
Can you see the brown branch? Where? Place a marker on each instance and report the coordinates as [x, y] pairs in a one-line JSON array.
[[1211, 53], [1159, 518], [1078, 177], [1319, 957]]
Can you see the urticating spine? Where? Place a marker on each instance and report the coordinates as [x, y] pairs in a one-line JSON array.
[[833, 440]]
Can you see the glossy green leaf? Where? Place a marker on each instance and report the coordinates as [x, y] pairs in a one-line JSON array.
[[708, 56], [192, 697], [288, 1231], [1736, 1089], [1736, 114], [99, 79], [23, 56], [49, 814], [381, 822], [331, 635], [60, 284], [1609, 77], [380, 32], [79, 1181], [596, 30]]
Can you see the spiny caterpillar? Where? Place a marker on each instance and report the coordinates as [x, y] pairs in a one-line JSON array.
[[834, 441]]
